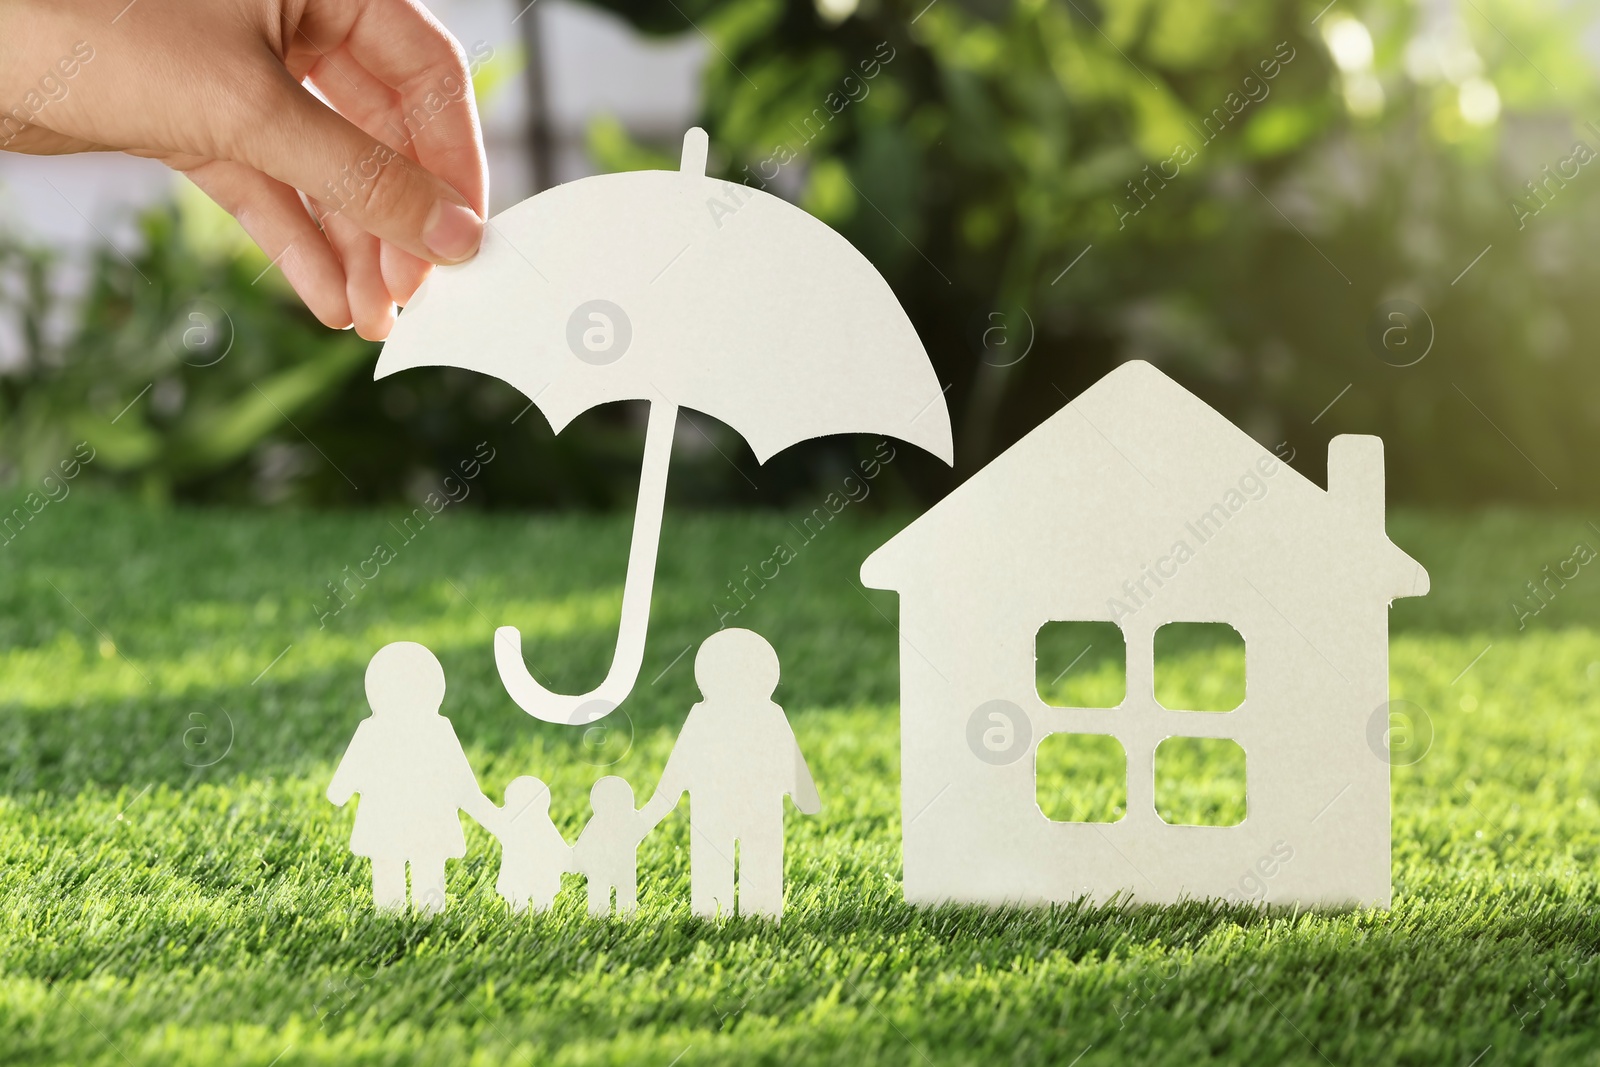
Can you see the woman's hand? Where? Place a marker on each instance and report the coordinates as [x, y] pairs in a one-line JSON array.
[[393, 170]]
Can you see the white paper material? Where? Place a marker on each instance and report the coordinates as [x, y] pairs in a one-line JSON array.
[[736, 758], [684, 291], [1139, 504], [413, 777], [607, 851], [533, 854]]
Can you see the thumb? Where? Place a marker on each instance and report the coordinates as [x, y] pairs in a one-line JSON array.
[[304, 143]]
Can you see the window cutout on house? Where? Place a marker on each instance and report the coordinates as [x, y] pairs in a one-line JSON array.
[[1200, 781], [1080, 664], [1199, 666], [1081, 778]]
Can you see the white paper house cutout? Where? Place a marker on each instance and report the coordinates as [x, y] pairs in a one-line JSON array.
[[1102, 494]]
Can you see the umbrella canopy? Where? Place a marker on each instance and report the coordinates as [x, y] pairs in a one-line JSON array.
[[683, 291]]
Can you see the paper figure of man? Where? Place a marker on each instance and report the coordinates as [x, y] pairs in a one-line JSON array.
[[737, 758], [413, 777]]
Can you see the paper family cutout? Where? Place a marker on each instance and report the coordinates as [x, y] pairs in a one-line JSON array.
[[1135, 504], [736, 757], [1138, 504], [413, 777], [683, 291]]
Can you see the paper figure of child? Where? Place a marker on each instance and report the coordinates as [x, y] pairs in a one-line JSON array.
[[533, 854], [413, 778], [607, 851], [737, 758]]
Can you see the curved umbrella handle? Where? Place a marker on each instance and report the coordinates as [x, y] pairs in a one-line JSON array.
[[522, 687]]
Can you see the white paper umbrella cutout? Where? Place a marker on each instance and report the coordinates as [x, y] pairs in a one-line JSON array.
[[683, 291]]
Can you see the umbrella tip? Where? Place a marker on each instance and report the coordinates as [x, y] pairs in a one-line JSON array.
[[695, 146]]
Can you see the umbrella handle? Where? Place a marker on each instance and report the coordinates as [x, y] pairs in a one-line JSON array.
[[522, 687]]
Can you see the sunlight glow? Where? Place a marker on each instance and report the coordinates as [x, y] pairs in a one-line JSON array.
[[1349, 43], [1479, 101], [836, 11]]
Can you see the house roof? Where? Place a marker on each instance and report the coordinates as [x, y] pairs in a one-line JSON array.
[[1116, 466]]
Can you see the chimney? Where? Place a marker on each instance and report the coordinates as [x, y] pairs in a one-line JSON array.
[[1355, 477], [1355, 493]]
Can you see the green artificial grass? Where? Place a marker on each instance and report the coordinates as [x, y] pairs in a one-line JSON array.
[[175, 890]]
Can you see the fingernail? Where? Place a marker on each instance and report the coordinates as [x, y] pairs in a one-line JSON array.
[[452, 232]]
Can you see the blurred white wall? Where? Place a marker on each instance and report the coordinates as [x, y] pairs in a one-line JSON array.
[[594, 64]]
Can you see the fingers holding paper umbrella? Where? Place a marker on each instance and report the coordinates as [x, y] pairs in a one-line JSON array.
[[682, 291]]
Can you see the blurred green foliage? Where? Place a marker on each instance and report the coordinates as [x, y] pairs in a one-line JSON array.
[[1280, 204], [173, 367], [1246, 185], [194, 373]]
